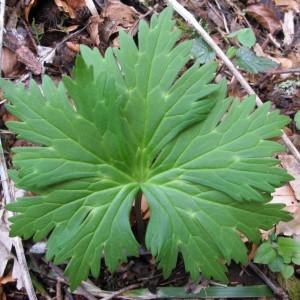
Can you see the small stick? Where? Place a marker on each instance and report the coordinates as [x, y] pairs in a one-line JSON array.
[[91, 6], [52, 52], [239, 12], [191, 19], [121, 291], [276, 290], [223, 16], [284, 71], [80, 290], [58, 290]]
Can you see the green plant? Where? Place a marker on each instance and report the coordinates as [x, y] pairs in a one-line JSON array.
[[37, 31], [201, 52], [245, 36], [248, 61], [297, 119], [203, 161], [244, 57], [279, 254]]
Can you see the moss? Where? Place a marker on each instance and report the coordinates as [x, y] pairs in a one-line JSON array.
[[288, 87], [185, 28], [291, 285]]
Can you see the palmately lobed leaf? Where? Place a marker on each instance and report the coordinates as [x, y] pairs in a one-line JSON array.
[[131, 121]]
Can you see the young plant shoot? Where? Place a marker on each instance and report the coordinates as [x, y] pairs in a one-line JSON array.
[[124, 124]]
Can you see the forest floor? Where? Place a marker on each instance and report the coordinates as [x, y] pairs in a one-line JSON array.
[[43, 37]]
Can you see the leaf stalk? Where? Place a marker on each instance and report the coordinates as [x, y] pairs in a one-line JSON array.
[[139, 218]]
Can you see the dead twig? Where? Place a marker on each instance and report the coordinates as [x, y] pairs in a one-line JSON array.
[[58, 290], [223, 17], [17, 242], [276, 290], [52, 52], [239, 12], [81, 290], [191, 20], [121, 291], [91, 6], [283, 71]]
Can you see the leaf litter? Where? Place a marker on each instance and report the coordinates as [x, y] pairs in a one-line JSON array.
[[290, 196], [6, 255]]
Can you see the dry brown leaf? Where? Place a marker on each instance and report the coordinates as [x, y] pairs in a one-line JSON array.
[[9, 62], [294, 56], [70, 6], [93, 29], [6, 279], [73, 46], [7, 117], [18, 43], [284, 195], [27, 57], [76, 4], [288, 131], [292, 227], [285, 63], [289, 4], [65, 29], [70, 28], [235, 89], [117, 16], [293, 168], [66, 8], [289, 195], [28, 8], [265, 15], [196, 7]]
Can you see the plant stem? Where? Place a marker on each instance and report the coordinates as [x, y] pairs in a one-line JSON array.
[[278, 291], [139, 218]]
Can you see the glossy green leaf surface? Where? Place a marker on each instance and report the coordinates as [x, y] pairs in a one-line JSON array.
[[127, 122]]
